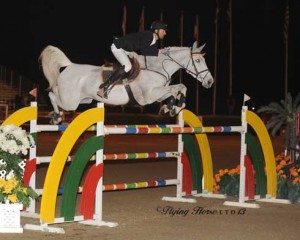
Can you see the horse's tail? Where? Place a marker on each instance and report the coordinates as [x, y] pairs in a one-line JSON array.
[[52, 59]]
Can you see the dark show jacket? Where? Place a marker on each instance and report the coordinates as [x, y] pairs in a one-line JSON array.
[[138, 42]]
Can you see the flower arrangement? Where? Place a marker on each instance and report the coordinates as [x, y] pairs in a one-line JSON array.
[[14, 143], [288, 179], [227, 181]]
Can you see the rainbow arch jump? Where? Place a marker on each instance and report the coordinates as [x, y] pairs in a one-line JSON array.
[[94, 116]]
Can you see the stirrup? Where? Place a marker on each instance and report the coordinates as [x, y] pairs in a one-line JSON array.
[[111, 82]]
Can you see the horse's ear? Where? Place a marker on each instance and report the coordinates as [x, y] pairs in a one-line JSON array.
[[196, 48], [195, 45], [201, 47]]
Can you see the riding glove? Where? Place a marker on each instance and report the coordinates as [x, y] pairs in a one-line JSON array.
[[164, 51]]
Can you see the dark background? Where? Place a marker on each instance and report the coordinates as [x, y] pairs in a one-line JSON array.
[[83, 30]]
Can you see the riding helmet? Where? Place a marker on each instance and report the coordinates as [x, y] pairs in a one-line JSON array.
[[158, 25]]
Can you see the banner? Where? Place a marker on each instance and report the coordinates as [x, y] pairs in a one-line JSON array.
[[124, 20], [286, 23], [142, 21], [196, 30]]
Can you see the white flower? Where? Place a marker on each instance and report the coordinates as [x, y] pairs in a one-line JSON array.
[[14, 140]]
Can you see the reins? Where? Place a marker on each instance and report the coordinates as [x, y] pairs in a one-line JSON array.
[[191, 60], [146, 68]]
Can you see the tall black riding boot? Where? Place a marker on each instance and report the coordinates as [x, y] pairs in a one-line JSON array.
[[116, 76]]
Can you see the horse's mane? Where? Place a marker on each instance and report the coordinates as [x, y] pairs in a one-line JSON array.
[[176, 48]]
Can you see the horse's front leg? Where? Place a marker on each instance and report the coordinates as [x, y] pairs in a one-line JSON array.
[[168, 107], [55, 115], [181, 98], [176, 102]]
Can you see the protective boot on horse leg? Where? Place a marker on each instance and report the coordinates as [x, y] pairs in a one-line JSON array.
[[168, 107]]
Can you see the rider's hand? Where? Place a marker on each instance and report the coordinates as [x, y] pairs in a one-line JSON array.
[[164, 51], [133, 55]]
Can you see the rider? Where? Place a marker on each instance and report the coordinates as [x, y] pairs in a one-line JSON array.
[[144, 42]]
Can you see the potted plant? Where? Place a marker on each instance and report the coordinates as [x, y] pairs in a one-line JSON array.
[[14, 195]]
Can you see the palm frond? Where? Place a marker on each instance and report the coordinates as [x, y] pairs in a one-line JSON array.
[[275, 120], [277, 127], [296, 104], [289, 98], [273, 107], [283, 113], [287, 105]]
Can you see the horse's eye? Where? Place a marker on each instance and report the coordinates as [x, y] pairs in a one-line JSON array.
[[197, 60]]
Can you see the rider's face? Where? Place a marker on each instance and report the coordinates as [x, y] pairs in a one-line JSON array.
[[161, 33]]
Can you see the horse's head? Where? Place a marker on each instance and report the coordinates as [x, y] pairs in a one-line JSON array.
[[197, 67]]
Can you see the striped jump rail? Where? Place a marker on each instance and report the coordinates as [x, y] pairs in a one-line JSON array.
[[135, 185], [147, 129], [58, 128], [124, 186], [171, 130], [118, 156], [63, 127]]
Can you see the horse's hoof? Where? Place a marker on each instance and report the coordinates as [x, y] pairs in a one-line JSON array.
[[180, 107], [163, 110], [172, 112], [55, 121], [181, 100], [178, 110], [171, 102]]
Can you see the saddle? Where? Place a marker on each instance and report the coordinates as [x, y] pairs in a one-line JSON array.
[[109, 68]]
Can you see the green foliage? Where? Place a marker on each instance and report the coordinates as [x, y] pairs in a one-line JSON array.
[[227, 182], [282, 188], [286, 189], [288, 180], [230, 185], [283, 115], [11, 163]]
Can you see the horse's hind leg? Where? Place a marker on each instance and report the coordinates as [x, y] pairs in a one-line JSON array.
[[55, 117]]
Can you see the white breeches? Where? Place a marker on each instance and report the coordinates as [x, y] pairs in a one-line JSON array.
[[122, 56]]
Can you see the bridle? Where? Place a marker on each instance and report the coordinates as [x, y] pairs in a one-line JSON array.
[[191, 60]]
